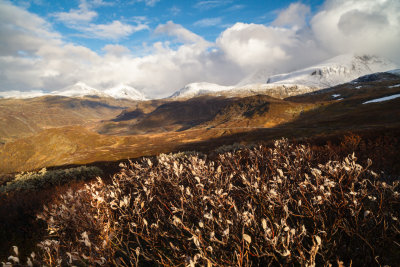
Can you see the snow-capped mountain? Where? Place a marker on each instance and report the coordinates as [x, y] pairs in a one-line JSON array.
[[120, 91], [395, 72], [21, 95], [338, 70], [79, 89], [258, 77], [196, 89], [123, 91], [274, 90]]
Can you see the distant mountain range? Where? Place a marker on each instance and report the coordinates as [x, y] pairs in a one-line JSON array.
[[337, 70], [81, 89]]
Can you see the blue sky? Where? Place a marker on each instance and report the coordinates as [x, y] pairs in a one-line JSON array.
[[206, 18], [159, 46]]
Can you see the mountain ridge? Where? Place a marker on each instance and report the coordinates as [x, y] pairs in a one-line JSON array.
[[337, 70]]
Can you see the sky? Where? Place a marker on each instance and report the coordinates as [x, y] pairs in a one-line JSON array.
[[159, 46]]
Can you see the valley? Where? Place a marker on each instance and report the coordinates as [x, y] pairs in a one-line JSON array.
[[74, 131]]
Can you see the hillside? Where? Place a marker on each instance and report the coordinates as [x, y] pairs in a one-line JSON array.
[[24, 117]]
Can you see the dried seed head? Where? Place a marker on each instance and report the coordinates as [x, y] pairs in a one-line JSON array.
[[247, 238], [264, 223]]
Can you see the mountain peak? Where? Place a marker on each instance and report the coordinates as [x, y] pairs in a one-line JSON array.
[[79, 89], [123, 91]]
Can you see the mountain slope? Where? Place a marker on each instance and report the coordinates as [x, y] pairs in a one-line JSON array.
[[211, 89], [79, 89], [123, 91], [197, 89], [24, 117], [338, 70]]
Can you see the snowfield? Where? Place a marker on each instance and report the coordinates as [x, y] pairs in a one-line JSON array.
[[386, 98]]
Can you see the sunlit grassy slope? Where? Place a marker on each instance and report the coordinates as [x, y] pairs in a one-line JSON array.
[[24, 117]]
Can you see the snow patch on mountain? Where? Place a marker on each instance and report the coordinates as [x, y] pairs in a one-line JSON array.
[[79, 89], [196, 89], [395, 72], [258, 77], [386, 98], [123, 91], [274, 90]]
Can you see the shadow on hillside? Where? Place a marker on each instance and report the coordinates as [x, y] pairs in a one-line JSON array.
[[328, 120]]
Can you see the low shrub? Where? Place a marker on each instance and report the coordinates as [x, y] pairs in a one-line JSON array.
[[258, 206], [46, 179]]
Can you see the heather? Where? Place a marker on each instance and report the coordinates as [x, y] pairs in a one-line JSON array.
[[276, 205]]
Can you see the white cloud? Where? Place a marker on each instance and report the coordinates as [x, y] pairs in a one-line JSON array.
[[148, 2], [75, 16], [116, 50], [175, 10], [294, 16], [207, 22], [178, 31], [102, 3], [253, 45], [114, 30], [359, 26], [80, 20], [209, 4]]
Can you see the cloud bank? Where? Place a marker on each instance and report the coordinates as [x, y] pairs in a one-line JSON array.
[[35, 57]]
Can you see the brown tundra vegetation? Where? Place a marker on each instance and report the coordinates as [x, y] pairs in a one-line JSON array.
[[286, 204]]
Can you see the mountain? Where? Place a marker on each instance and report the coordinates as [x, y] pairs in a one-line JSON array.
[[24, 117], [258, 77], [196, 89], [21, 95], [123, 91], [79, 89], [337, 70], [274, 90]]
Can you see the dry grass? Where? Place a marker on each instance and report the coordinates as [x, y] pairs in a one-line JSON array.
[[259, 206], [24, 117]]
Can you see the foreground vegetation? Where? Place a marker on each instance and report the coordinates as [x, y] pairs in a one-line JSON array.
[[283, 205], [34, 181]]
